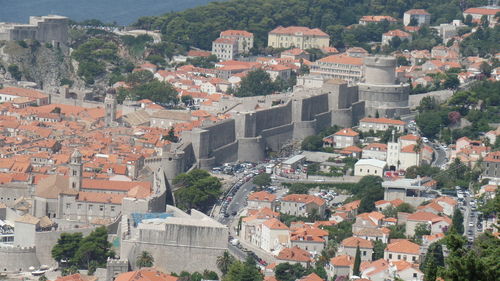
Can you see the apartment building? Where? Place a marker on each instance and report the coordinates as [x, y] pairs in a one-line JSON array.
[[299, 37]]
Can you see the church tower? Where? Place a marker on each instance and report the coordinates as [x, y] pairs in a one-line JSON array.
[[110, 108], [75, 170]]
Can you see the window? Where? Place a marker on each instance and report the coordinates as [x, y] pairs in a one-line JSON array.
[[68, 205], [364, 253], [79, 206], [390, 256], [414, 275], [112, 208], [414, 258], [101, 208], [399, 257], [91, 206]]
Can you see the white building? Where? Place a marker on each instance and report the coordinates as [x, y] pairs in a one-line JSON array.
[[225, 48], [369, 167], [420, 15]]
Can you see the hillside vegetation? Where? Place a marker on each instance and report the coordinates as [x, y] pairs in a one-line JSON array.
[[199, 26]]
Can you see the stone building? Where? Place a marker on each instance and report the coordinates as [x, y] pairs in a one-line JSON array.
[[421, 17], [297, 36], [343, 67], [88, 200], [225, 48], [177, 241], [302, 205], [491, 166], [47, 29], [244, 39], [388, 36]]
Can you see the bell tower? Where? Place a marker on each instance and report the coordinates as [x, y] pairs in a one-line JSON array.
[[75, 170]]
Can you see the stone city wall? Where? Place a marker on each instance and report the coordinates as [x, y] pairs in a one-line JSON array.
[[17, 259]]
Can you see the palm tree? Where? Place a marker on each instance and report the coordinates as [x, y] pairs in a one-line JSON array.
[[224, 262], [417, 149], [145, 259]]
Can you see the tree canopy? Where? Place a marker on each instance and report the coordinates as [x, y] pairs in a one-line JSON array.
[[201, 25], [197, 190], [76, 250]]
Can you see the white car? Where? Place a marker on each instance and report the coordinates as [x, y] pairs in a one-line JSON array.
[[424, 139]]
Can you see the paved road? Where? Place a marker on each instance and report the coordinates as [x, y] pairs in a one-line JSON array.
[[239, 201], [439, 154]]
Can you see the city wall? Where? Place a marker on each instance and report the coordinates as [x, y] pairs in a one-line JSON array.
[[46, 240], [17, 259]]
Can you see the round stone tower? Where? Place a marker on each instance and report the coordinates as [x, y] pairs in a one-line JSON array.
[[381, 91], [380, 70]]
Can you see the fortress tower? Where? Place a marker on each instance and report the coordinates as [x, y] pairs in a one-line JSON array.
[[76, 170], [381, 91]]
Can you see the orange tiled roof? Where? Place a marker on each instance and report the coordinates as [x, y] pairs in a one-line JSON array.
[[353, 242], [417, 12], [294, 254], [403, 246], [304, 198], [378, 18], [262, 196], [294, 30], [482, 11], [275, 224], [397, 33], [232, 32], [342, 59], [383, 121], [347, 132], [145, 274], [342, 260]]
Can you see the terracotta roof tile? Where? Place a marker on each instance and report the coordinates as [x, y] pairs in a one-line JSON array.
[[403, 246], [294, 254]]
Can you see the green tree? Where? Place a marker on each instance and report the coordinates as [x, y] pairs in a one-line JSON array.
[[262, 180], [145, 259], [224, 262], [420, 230], [94, 247], [171, 135], [433, 260], [66, 247], [378, 250], [289, 272], [457, 221], [451, 82], [43, 278], [339, 231], [14, 71], [198, 190], [139, 77], [397, 231], [357, 262], [312, 143], [255, 83], [69, 270], [298, 188], [187, 99], [243, 271]]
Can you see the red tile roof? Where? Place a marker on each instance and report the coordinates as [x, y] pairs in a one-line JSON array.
[[342, 260], [261, 196], [145, 274], [417, 12], [482, 11], [403, 246], [342, 59], [294, 254], [347, 132], [353, 242], [383, 121], [275, 224], [233, 32], [295, 30], [304, 198]]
